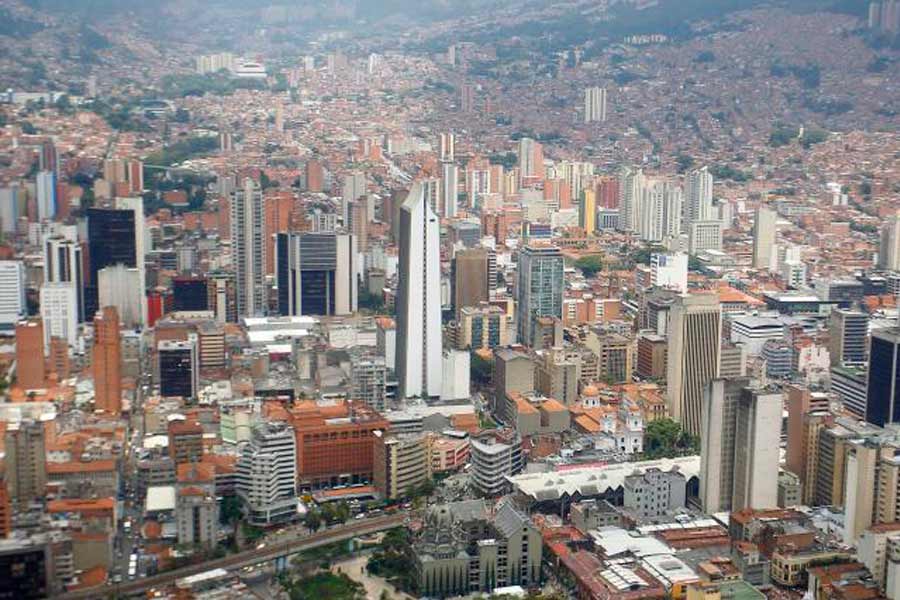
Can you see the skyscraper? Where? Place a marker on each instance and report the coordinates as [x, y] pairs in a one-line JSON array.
[[698, 196], [179, 367], [248, 248], [594, 104], [847, 333], [267, 474], [419, 345], [469, 278], [539, 288], [112, 240], [740, 437], [883, 381], [694, 334], [26, 461], [631, 191], [59, 312], [12, 293], [46, 195], [316, 273], [659, 211], [763, 237], [447, 147], [587, 215], [106, 362], [30, 367], [450, 188], [531, 160], [355, 186], [63, 264], [889, 247]]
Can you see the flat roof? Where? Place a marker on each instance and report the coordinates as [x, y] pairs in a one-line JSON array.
[[160, 498]]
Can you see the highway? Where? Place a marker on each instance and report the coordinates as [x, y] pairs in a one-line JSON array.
[[271, 551]]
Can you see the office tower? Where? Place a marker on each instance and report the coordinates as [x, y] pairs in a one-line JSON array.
[[316, 274], [63, 264], [467, 98], [889, 246], [119, 286], [450, 189], [59, 312], [587, 214], [112, 240], [494, 457], [402, 463], [12, 293], [447, 147], [763, 237], [478, 185], [136, 206], [694, 334], [847, 333], [248, 249], [660, 211], [10, 201], [30, 368], [740, 437], [631, 193], [704, 235], [469, 278], [355, 186], [883, 381], [106, 362], [221, 286], [456, 383], [531, 160], [46, 195], [698, 196], [669, 271], [358, 225], [190, 293], [368, 380], [185, 440], [539, 288], [594, 105], [267, 474], [419, 343], [179, 367], [26, 461]]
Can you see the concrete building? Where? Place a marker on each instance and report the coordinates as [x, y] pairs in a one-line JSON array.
[[106, 362], [889, 247], [704, 235], [763, 237], [539, 288], [469, 278], [882, 389], [494, 456], [25, 457], [179, 367], [401, 463], [64, 264], [248, 248], [654, 493], [595, 105], [316, 273], [695, 330], [669, 271], [119, 286], [419, 344], [368, 380], [267, 475], [59, 312], [698, 198], [456, 368], [30, 365], [12, 294], [513, 372], [482, 326], [848, 333]]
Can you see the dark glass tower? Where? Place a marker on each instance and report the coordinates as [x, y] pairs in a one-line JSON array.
[[883, 384], [190, 293], [111, 241]]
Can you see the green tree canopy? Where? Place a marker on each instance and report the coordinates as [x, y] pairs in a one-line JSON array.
[[590, 265]]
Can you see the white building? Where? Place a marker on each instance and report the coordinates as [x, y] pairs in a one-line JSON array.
[[267, 474], [46, 195], [59, 311], [631, 191], [120, 286], [659, 213], [763, 237], [669, 271], [10, 200], [753, 332], [493, 460], [456, 365], [450, 188], [595, 105], [63, 264], [419, 334], [248, 249], [698, 196], [136, 205], [12, 293], [704, 235]]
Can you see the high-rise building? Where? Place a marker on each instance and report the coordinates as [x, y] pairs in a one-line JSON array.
[[698, 196], [704, 235], [179, 367], [30, 367], [889, 246], [11, 204], [316, 274], [119, 286], [587, 214], [848, 331], [63, 263], [26, 461], [539, 287], [248, 248], [12, 293], [631, 193], [447, 144], [763, 237], [401, 463], [315, 176], [450, 189], [46, 195], [594, 105], [470, 278], [740, 437], [659, 211], [267, 475], [419, 344], [467, 98], [59, 312], [355, 187], [190, 293], [531, 160], [694, 334], [112, 240], [883, 382], [106, 361], [368, 380], [494, 457]]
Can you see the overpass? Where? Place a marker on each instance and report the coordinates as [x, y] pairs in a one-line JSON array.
[[270, 552]]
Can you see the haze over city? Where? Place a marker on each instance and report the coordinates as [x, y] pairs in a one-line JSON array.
[[483, 299]]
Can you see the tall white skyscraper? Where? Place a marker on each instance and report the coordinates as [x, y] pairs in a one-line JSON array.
[[889, 248], [660, 211], [248, 248], [419, 343], [594, 104], [740, 440], [59, 311], [10, 199], [136, 205], [46, 195], [763, 237], [63, 264], [450, 189], [448, 147], [12, 293], [120, 286], [694, 343], [698, 197], [631, 192]]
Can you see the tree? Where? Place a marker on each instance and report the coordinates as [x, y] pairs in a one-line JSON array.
[[481, 370], [684, 161], [312, 520], [590, 265], [663, 438], [230, 510]]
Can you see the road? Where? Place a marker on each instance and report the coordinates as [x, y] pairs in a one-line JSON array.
[[248, 557]]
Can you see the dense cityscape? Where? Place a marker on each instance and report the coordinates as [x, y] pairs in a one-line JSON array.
[[544, 299]]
